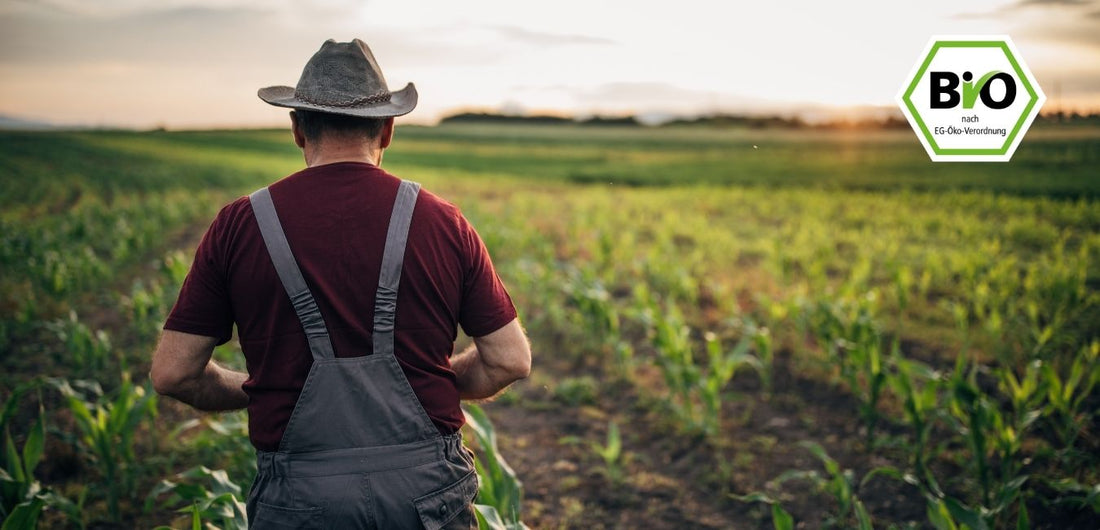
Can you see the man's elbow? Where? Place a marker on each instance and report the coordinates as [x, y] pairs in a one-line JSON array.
[[164, 383], [168, 382], [520, 368]]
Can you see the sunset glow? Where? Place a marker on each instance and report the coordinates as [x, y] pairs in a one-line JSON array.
[[198, 63]]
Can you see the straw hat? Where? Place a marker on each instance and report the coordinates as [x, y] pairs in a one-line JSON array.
[[343, 78]]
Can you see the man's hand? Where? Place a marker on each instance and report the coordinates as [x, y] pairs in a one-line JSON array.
[[493, 362], [182, 369]]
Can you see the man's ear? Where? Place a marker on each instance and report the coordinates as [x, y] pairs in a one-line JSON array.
[[296, 130], [386, 135]]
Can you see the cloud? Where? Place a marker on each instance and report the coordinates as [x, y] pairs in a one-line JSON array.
[[1072, 22], [1052, 3], [539, 38], [663, 97], [169, 34], [1014, 9]]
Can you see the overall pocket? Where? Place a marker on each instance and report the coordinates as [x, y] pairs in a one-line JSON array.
[[278, 517], [449, 507]]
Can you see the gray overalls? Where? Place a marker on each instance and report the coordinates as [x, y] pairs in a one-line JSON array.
[[359, 450]]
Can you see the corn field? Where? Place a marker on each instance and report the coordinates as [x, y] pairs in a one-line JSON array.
[[712, 349]]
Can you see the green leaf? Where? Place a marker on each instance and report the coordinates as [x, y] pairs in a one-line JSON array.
[[12, 460], [35, 444], [831, 465], [12, 403], [965, 515], [1022, 521], [781, 520], [755, 496], [25, 515], [862, 516], [488, 518], [940, 516], [891, 472]]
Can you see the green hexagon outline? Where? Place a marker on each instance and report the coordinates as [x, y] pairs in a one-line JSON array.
[[970, 44]]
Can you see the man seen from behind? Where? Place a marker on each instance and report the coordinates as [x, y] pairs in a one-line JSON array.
[[347, 286]]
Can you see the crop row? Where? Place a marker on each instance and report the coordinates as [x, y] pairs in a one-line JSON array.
[[651, 279]]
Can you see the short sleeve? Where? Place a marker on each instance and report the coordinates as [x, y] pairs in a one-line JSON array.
[[486, 306], [204, 307]]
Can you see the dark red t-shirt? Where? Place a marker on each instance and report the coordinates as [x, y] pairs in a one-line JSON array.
[[335, 217]]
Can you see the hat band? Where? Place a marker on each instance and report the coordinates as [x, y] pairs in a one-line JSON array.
[[382, 96]]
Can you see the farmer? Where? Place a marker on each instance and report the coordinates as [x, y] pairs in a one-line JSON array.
[[347, 285]]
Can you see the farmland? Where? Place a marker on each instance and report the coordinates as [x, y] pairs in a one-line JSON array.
[[731, 327]]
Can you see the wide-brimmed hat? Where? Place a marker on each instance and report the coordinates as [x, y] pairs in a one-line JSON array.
[[343, 78]]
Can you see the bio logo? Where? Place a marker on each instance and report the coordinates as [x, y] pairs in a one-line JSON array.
[[946, 83], [970, 98]]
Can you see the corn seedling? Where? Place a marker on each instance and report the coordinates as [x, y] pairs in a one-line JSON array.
[[1066, 396], [222, 438], [19, 490], [208, 495], [722, 365], [781, 518], [89, 351], [107, 430], [762, 341], [918, 387], [990, 438], [838, 483], [499, 499], [850, 336], [600, 318], [612, 454], [1075, 494], [575, 391], [695, 392]]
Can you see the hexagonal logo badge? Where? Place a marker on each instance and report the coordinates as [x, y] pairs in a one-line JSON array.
[[970, 98]]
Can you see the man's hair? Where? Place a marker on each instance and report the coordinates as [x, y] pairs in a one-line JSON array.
[[314, 125]]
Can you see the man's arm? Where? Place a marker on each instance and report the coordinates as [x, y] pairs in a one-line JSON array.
[[182, 369], [493, 362]]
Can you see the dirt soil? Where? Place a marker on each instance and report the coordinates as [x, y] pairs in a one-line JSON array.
[[675, 480]]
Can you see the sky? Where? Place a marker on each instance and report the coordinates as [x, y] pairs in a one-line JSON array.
[[198, 63]]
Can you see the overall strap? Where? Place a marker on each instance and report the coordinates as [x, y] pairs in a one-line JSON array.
[[385, 301], [291, 276]]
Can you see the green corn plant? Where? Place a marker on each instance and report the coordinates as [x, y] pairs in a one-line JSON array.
[[695, 393], [678, 368], [849, 334], [1066, 397], [175, 267], [500, 497], [221, 438], [991, 439], [943, 512], [781, 518], [600, 318], [918, 387], [1073, 493], [107, 428], [20, 498], [148, 307], [836, 482], [87, 351], [612, 454], [209, 495], [721, 368], [762, 342]]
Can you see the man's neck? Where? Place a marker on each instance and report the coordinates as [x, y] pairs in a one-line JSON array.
[[331, 154]]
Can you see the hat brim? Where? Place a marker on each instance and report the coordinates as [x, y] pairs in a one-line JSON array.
[[401, 103]]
